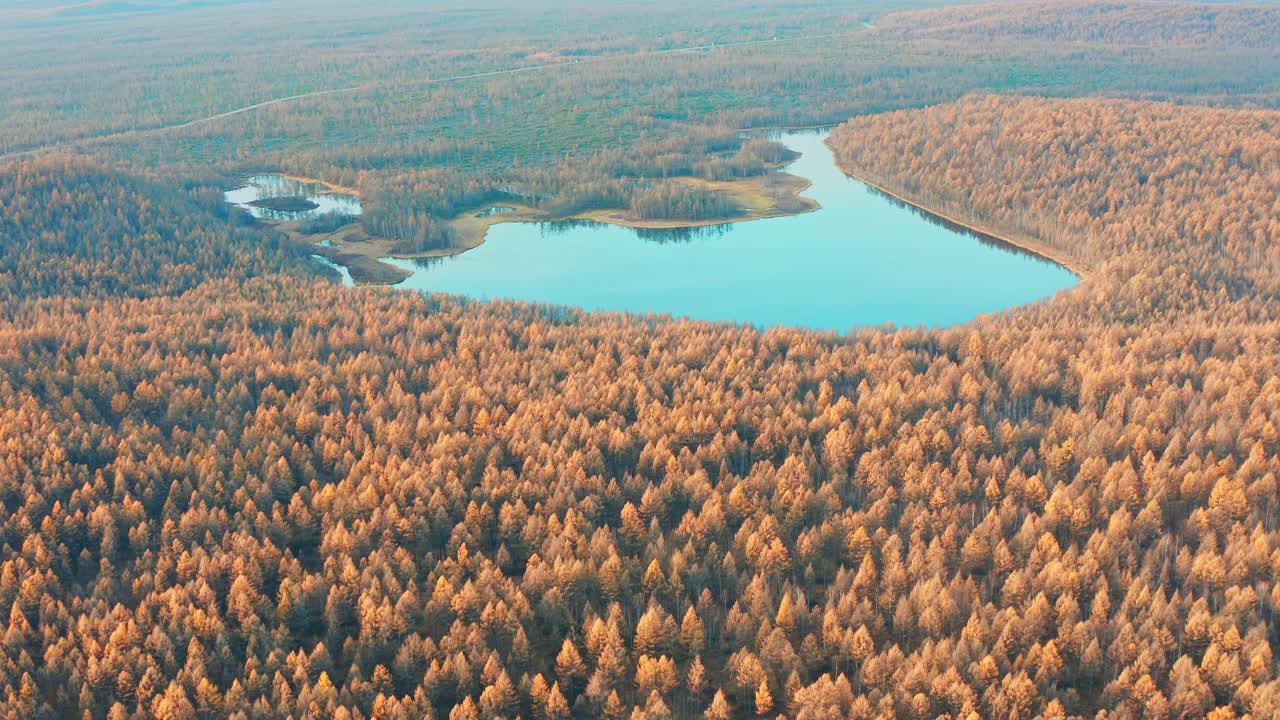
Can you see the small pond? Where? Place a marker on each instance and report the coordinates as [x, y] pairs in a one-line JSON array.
[[264, 188]]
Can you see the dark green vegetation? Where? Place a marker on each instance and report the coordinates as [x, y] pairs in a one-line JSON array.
[[325, 223], [285, 204]]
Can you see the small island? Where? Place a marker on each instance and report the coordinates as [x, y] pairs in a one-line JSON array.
[[285, 204]]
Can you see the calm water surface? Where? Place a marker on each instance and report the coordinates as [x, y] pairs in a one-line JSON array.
[[260, 187], [863, 259]]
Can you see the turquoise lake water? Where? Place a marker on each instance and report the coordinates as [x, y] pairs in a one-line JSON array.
[[863, 259]]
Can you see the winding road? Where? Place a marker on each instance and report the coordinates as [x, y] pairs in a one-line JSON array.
[[435, 81]]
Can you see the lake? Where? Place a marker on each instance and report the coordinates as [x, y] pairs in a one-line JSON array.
[[862, 259], [265, 187]]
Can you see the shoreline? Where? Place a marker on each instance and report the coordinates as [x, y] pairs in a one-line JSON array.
[[364, 255], [1026, 245], [606, 217], [332, 187], [597, 216], [742, 187], [788, 128]]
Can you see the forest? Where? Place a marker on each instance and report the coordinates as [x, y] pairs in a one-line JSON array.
[[233, 488], [1164, 24], [268, 496], [436, 112], [1113, 207]]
